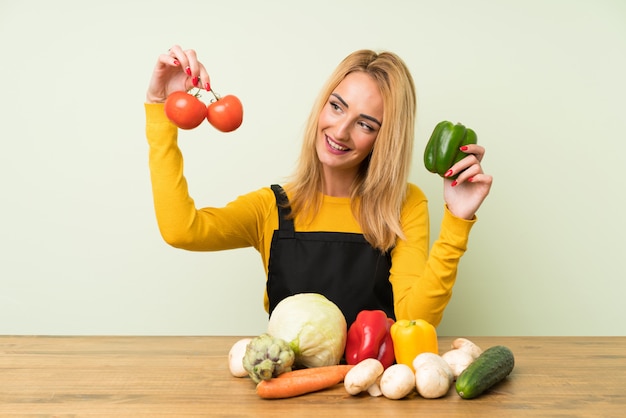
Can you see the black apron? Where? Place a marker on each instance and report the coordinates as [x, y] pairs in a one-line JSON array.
[[344, 267]]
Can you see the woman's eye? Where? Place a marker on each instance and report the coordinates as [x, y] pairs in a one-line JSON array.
[[335, 105], [366, 126]]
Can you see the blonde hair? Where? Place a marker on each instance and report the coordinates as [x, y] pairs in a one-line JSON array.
[[379, 189]]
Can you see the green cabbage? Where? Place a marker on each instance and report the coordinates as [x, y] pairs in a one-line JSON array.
[[313, 326]]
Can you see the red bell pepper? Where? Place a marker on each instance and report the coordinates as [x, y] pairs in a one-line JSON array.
[[369, 337]]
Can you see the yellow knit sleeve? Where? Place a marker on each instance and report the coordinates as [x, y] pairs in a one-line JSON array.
[[422, 280]]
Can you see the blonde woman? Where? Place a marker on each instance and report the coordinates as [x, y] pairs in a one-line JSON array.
[[348, 224]]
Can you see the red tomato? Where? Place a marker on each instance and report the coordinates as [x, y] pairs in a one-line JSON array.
[[225, 114], [184, 110]]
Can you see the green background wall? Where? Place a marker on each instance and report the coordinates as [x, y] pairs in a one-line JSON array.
[[541, 81]]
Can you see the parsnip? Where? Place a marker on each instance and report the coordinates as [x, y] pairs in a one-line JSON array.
[[458, 360], [467, 346]]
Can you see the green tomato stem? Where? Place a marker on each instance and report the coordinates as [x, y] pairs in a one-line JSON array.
[[214, 94], [197, 94]]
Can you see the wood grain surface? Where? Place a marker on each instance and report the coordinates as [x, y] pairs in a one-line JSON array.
[[188, 376]]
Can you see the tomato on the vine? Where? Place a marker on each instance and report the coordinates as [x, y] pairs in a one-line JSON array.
[[225, 113], [184, 110]]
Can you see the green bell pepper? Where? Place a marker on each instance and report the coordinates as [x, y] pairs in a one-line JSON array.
[[442, 150]]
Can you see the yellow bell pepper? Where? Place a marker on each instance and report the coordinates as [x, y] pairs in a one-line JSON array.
[[413, 337]]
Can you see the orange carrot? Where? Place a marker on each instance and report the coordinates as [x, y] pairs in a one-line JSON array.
[[300, 382], [340, 369]]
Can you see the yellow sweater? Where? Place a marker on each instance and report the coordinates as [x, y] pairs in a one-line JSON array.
[[422, 281]]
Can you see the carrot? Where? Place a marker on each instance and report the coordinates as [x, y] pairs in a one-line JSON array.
[[339, 368], [300, 382]]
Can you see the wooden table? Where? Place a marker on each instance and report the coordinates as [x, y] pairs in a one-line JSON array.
[[188, 376]]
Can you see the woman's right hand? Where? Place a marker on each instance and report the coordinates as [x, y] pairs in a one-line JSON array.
[[177, 70]]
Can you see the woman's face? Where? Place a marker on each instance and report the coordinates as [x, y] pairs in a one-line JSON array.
[[349, 124]]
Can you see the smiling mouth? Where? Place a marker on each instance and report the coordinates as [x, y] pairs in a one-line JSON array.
[[335, 145]]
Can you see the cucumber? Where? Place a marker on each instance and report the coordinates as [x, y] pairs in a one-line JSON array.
[[492, 366]]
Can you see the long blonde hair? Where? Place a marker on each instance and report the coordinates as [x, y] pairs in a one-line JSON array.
[[379, 189]]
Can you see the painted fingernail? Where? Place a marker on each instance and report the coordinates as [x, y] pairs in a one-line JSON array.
[[207, 87], [464, 148], [188, 71], [448, 173], [454, 183], [195, 81], [176, 62]]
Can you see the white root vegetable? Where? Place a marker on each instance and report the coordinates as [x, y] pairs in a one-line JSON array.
[[458, 360], [467, 346], [363, 375], [433, 375], [397, 381], [235, 358]]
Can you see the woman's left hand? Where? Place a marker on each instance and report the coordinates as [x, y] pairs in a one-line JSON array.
[[466, 193]]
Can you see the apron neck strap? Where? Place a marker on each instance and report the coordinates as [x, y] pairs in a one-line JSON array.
[[286, 227]]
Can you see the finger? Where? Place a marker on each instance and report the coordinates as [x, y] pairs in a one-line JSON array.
[[470, 172], [169, 60], [205, 80], [467, 161], [481, 178], [192, 63], [474, 149], [182, 57], [195, 69]]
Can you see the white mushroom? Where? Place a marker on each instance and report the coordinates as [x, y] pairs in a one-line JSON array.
[[374, 390], [397, 382], [363, 375], [235, 358], [433, 375]]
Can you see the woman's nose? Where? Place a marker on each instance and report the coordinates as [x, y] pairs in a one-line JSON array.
[[342, 130]]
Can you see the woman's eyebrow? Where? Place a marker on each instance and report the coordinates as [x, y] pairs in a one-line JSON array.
[[368, 117]]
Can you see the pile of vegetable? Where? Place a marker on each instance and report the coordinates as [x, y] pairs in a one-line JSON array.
[[307, 338], [432, 375], [301, 351]]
